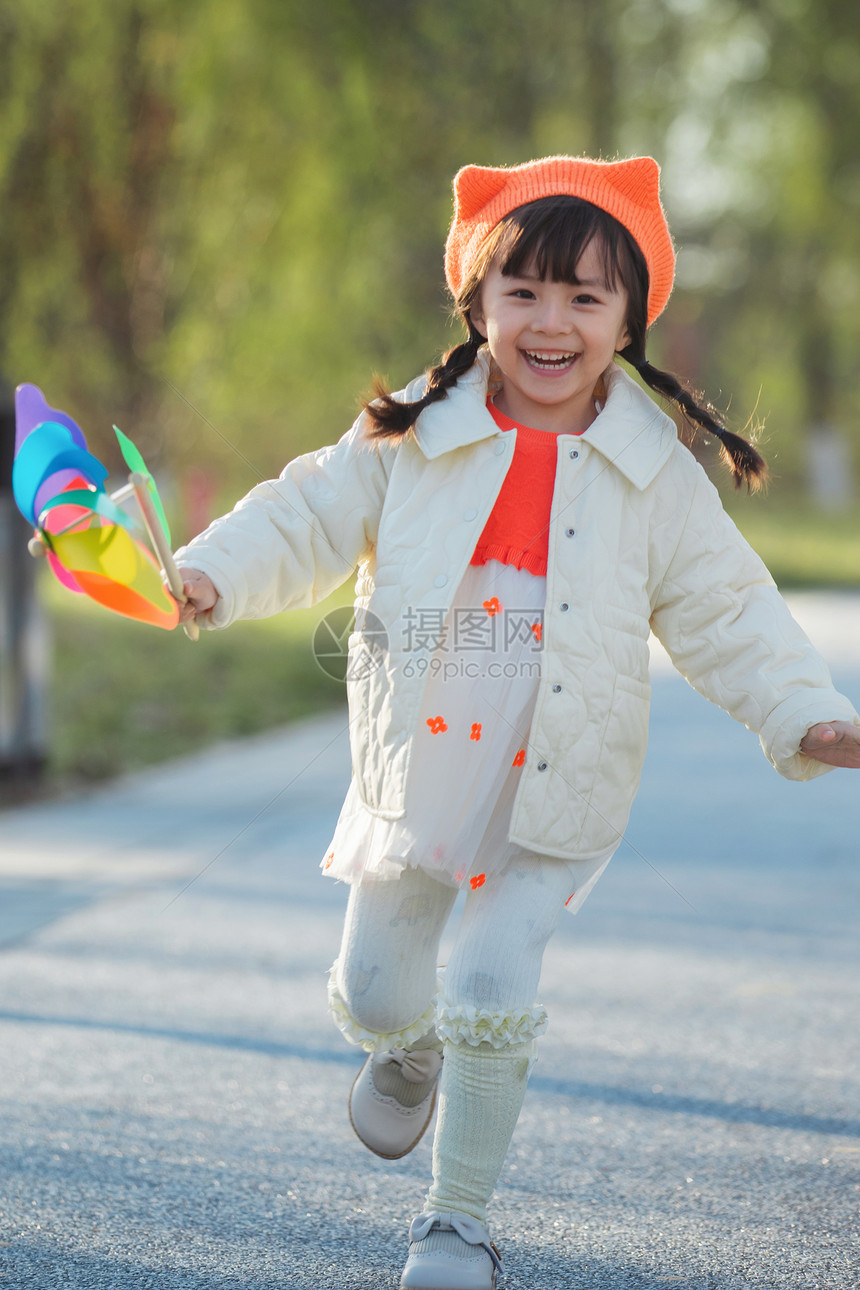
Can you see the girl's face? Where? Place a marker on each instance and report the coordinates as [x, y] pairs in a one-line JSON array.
[[551, 341]]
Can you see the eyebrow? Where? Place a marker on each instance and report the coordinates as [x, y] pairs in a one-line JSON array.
[[580, 282]]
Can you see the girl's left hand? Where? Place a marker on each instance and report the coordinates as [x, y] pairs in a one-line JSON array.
[[835, 742]]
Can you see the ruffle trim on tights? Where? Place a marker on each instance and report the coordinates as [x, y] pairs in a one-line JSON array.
[[464, 1024], [374, 1041]]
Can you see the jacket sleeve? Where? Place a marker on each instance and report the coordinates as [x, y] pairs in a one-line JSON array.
[[291, 541], [729, 632]]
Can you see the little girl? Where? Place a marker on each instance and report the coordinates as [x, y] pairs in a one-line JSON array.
[[521, 517]]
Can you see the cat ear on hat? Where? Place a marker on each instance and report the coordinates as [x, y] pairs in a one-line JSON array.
[[638, 178], [474, 187]]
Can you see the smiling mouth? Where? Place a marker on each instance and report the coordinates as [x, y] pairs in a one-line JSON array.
[[551, 360]]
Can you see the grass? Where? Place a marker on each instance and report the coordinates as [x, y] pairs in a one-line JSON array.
[[124, 696], [802, 545]]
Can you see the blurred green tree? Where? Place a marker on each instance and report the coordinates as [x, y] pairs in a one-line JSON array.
[[221, 216], [763, 177], [258, 217], [85, 149]]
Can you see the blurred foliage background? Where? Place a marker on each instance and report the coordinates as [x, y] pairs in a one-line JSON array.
[[221, 217]]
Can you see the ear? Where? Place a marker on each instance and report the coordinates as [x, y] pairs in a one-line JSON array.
[[476, 315], [622, 341]]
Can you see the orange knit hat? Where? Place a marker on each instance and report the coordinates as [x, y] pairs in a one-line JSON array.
[[628, 190]]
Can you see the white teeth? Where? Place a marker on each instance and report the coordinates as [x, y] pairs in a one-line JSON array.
[[552, 358]]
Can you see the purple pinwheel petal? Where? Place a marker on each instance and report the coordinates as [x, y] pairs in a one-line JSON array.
[[31, 409], [52, 485]]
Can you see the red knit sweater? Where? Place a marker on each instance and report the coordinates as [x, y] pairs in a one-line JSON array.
[[517, 531]]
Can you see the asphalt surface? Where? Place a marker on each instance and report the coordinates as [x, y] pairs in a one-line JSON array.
[[172, 1092]]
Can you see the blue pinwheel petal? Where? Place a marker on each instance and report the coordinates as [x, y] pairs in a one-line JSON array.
[[47, 449]]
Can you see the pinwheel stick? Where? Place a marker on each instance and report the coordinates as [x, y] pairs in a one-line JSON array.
[[140, 484]]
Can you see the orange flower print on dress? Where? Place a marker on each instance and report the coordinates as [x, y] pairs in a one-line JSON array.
[[537, 628], [477, 881], [520, 758], [569, 899], [437, 725], [492, 606], [476, 730], [329, 860]]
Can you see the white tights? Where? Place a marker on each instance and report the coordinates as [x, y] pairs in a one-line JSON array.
[[485, 1019]]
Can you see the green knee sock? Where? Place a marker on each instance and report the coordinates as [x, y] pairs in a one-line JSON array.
[[480, 1095]]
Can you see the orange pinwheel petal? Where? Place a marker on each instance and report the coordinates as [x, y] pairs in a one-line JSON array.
[[127, 601]]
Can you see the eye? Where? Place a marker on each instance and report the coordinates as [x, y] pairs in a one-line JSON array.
[[585, 299], [523, 293]]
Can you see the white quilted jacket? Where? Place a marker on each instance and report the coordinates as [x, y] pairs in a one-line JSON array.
[[638, 538]]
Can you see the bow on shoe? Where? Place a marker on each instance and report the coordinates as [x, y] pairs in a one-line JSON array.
[[464, 1225], [416, 1067]]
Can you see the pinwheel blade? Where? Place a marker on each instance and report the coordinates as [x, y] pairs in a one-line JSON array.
[[134, 461], [31, 410], [44, 455]]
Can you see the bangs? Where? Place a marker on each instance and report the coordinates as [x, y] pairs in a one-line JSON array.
[[549, 236]]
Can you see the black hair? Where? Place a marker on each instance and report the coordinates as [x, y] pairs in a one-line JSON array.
[[552, 234]]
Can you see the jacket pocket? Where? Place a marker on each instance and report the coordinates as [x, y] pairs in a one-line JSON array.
[[629, 656], [619, 767], [360, 697]]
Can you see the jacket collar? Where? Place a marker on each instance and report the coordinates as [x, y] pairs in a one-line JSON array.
[[461, 417], [631, 432]]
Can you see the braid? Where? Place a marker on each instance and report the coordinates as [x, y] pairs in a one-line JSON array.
[[390, 418], [746, 463]]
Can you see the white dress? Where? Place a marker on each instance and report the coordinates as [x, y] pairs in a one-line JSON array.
[[482, 682]]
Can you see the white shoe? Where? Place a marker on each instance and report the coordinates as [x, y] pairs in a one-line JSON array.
[[450, 1252], [384, 1124]]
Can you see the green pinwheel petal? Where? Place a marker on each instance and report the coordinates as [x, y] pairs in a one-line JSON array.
[[135, 462]]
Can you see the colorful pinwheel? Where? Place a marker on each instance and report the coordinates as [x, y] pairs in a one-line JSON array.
[[93, 544]]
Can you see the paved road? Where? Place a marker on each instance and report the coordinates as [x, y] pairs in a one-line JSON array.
[[172, 1092]]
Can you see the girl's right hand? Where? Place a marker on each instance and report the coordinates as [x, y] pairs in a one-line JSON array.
[[200, 591], [836, 743]]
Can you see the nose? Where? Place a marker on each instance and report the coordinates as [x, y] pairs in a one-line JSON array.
[[553, 319]]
